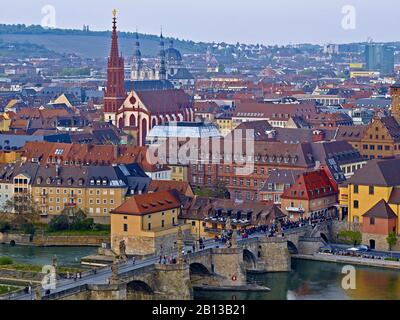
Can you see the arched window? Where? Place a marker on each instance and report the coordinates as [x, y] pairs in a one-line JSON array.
[[144, 131], [132, 121]]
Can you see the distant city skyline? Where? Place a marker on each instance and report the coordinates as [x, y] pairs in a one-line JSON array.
[[254, 21]]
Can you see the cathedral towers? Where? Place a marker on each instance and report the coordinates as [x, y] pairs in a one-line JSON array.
[[161, 69]]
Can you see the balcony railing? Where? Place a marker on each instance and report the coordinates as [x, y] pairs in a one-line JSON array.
[[70, 205], [294, 209]]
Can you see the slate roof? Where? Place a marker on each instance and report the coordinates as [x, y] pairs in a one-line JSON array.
[[182, 73], [164, 101], [274, 111], [378, 172], [395, 196], [380, 210], [393, 127], [287, 177], [351, 133], [148, 85], [341, 151], [131, 177]]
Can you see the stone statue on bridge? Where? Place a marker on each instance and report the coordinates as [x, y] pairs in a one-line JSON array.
[[122, 251], [228, 224], [114, 273], [179, 245], [38, 293], [234, 242], [279, 228], [229, 228]]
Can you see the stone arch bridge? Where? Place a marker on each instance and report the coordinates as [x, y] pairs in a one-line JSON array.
[[216, 266]]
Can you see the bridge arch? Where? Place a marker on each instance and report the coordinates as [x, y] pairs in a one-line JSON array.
[[139, 286], [249, 260], [198, 269], [292, 247], [324, 237]]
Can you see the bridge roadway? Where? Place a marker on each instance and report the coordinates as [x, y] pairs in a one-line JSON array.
[[104, 274]]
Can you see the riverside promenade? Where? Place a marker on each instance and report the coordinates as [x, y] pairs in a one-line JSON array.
[[350, 260]]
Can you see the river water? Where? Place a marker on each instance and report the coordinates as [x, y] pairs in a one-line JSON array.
[[308, 280], [66, 256], [313, 280]]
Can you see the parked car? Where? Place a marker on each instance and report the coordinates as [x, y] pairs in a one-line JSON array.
[[363, 248], [353, 249], [325, 250]]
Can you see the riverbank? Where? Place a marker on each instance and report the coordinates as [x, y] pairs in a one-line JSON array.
[[350, 260], [34, 255], [94, 239]]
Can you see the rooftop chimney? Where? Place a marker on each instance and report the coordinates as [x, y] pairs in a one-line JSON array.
[[318, 136]]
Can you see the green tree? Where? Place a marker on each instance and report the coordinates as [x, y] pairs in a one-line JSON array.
[[59, 223], [22, 209], [391, 240], [349, 236]]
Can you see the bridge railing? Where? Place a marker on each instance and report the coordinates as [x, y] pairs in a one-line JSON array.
[[13, 295], [66, 292], [310, 239]]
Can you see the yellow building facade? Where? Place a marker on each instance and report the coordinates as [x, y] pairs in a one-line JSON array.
[[225, 125], [377, 180], [179, 173], [97, 203], [148, 224]]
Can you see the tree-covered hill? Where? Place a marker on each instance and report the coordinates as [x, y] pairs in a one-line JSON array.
[[94, 44]]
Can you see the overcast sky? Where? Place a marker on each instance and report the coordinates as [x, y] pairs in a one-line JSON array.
[[246, 21]]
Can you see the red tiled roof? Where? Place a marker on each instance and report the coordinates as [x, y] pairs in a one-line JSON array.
[[148, 203], [311, 185]]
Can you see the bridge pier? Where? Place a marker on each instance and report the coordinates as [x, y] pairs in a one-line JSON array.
[[228, 263], [274, 255], [107, 291], [173, 281]]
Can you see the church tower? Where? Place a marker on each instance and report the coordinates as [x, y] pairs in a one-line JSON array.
[[395, 108], [161, 69], [137, 63], [114, 95]]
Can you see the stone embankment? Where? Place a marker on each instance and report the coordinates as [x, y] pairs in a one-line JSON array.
[[350, 260], [50, 241]]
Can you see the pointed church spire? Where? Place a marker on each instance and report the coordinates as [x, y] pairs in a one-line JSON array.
[[114, 55], [162, 72], [161, 39], [114, 94]]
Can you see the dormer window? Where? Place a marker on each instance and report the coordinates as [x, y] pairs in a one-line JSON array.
[[98, 182], [92, 182], [104, 182], [48, 180], [80, 182]]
